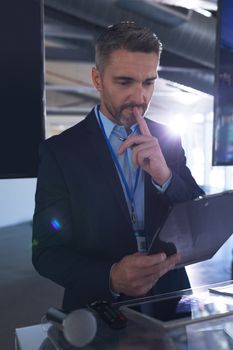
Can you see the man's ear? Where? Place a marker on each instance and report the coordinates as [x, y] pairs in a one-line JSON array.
[[96, 78]]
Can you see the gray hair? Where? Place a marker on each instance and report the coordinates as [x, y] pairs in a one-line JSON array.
[[128, 36]]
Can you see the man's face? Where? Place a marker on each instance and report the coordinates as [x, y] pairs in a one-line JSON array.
[[127, 81]]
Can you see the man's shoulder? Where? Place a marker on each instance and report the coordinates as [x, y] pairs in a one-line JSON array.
[[159, 129], [75, 133], [155, 126], [169, 141]]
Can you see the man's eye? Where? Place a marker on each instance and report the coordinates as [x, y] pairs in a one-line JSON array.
[[124, 82], [149, 82]]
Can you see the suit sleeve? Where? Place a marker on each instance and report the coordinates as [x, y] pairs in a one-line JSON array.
[[183, 186], [54, 253]]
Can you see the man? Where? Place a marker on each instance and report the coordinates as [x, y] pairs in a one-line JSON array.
[[102, 194]]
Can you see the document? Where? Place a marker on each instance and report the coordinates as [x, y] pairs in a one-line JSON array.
[[196, 229]]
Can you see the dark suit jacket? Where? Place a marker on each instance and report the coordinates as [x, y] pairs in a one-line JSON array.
[[81, 224]]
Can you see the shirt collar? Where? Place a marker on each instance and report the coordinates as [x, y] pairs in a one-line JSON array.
[[108, 124]]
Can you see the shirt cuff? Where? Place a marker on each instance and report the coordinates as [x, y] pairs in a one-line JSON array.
[[115, 295], [164, 187]]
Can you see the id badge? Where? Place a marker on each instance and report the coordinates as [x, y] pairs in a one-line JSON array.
[[141, 241]]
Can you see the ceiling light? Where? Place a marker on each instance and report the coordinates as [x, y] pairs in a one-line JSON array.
[[186, 98], [203, 12]]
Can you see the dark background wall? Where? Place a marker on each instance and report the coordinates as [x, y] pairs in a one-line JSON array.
[[21, 87]]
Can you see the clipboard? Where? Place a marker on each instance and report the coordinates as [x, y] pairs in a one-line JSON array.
[[195, 229]]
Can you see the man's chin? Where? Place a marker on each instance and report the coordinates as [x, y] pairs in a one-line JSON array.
[[128, 120]]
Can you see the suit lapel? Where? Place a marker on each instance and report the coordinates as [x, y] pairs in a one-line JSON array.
[[107, 167], [150, 214]]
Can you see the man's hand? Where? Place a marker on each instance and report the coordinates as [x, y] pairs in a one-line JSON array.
[[136, 274], [146, 152]]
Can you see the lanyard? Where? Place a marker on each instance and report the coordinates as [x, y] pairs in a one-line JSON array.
[[130, 194]]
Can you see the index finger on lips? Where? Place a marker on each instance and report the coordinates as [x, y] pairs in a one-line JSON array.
[[141, 122]]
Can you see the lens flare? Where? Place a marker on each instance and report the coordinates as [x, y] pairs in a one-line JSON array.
[[55, 224], [34, 243]]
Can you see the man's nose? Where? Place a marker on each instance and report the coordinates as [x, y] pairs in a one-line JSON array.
[[138, 95]]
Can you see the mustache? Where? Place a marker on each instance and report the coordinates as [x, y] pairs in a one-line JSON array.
[[132, 105]]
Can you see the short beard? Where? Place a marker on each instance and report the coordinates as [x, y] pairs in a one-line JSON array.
[[130, 119]]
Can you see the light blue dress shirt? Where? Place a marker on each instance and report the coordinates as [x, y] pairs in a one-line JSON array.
[[114, 132]]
